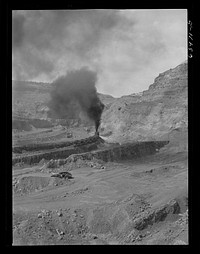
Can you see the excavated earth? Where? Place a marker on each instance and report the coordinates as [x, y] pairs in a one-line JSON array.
[[130, 194], [134, 192]]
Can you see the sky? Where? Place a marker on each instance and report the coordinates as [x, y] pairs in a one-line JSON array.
[[126, 48]]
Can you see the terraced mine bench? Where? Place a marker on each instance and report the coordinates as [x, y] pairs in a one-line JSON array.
[[86, 151], [62, 150], [47, 146], [123, 152]]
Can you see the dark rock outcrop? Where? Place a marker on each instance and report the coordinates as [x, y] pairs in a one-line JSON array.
[[86, 152], [56, 151]]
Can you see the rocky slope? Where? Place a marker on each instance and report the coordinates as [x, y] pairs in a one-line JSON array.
[[132, 194], [30, 106], [158, 113]]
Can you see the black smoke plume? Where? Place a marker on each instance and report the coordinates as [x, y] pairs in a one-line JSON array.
[[75, 93]]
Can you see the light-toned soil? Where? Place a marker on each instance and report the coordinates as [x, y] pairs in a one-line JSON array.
[[138, 202], [143, 201]]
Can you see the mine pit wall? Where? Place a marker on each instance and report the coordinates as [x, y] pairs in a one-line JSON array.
[[56, 154], [118, 153], [48, 146], [123, 152]]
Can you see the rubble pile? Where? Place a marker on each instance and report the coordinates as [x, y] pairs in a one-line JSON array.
[[76, 161]]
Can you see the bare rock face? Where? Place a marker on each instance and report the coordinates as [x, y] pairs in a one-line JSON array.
[[153, 114], [159, 113]]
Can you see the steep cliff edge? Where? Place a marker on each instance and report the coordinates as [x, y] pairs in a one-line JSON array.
[[159, 113], [156, 114]]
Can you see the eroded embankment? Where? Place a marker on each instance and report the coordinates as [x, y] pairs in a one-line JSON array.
[[86, 152]]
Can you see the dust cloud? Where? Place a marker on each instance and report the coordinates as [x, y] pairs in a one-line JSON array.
[[74, 93]]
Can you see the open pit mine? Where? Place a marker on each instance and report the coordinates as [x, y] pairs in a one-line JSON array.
[[123, 182]]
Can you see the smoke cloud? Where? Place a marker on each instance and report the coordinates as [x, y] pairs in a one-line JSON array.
[[75, 93], [49, 42], [127, 48]]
